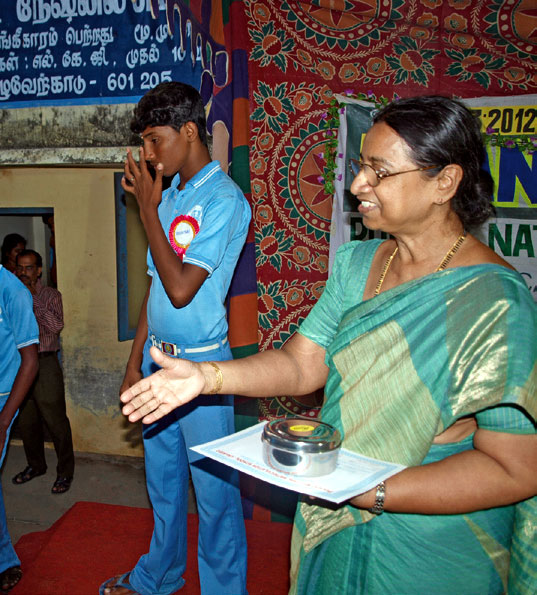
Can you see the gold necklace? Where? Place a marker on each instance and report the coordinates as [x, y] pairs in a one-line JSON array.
[[445, 261]]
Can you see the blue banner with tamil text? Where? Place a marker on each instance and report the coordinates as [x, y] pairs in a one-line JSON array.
[[55, 52]]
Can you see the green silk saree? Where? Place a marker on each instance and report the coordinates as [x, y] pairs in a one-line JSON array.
[[403, 367]]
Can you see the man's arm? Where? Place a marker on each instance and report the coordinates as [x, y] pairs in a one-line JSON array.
[[49, 311], [133, 372], [22, 383], [181, 281]]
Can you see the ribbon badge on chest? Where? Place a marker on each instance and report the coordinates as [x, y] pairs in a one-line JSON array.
[[182, 231]]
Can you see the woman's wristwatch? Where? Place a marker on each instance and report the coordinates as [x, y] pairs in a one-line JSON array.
[[378, 507]]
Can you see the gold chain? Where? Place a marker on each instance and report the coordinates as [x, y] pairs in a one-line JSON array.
[[445, 261], [450, 254], [385, 270]]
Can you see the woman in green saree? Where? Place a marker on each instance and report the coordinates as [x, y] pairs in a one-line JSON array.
[[426, 345]]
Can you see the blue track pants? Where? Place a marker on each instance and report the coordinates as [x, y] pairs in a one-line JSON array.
[[221, 539]]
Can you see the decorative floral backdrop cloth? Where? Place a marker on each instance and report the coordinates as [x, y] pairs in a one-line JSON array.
[[300, 55]]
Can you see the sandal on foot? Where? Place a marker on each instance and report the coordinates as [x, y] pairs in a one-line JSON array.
[[26, 475], [61, 485], [121, 581], [9, 578]]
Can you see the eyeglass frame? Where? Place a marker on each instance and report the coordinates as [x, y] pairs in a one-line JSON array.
[[380, 175]]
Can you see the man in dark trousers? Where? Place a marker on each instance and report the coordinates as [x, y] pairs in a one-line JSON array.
[[196, 230], [46, 400]]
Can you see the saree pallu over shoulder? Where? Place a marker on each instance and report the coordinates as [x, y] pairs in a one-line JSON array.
[[444, 346], [408, 363]]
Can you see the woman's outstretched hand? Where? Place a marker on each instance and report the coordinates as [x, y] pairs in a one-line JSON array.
[[176, 383]]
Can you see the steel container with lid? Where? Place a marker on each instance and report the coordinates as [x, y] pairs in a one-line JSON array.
[[303, 447]]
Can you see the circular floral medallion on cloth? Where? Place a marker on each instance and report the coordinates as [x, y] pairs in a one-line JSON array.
[[300, 56]]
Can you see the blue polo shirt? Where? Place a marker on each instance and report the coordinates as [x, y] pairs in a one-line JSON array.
[[206, 224], [18, 326]]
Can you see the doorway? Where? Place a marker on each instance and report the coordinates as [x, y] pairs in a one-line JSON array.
[[32, 225]]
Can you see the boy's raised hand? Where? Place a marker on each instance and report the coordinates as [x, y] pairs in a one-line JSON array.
[[176, 383], [138, 181]]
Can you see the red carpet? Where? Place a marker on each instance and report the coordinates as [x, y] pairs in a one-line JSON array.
[[92, 542]]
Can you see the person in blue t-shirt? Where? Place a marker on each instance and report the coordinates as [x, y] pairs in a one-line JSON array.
[[196, 230], [19, 338]]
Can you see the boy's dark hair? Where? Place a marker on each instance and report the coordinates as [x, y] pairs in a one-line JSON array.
[[36, 255], [171, 104]]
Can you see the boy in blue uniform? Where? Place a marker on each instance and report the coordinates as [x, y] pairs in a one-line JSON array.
[[19, 337], [196, 230]]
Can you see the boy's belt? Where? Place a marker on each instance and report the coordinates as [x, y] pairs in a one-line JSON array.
[[173, 349]]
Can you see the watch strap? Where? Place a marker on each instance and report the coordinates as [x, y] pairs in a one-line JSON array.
[[380, 494]]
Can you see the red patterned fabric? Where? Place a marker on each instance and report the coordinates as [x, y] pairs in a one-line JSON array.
[[300, 54]]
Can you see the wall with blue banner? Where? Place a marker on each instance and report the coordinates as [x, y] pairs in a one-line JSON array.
[[74, 52]]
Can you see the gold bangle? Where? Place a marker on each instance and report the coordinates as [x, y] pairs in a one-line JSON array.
[[219, 379]]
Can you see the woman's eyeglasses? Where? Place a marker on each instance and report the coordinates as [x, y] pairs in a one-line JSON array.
[[374, 177]]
